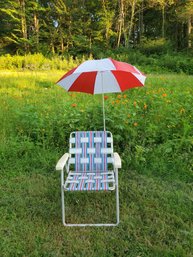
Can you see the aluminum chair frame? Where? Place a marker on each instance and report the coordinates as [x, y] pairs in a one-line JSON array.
[[64, 164]]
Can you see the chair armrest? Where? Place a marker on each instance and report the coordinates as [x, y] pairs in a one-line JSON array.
[[117, 161], [62, 162]]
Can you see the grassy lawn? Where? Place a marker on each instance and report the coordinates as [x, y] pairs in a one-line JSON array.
[[153, 132]]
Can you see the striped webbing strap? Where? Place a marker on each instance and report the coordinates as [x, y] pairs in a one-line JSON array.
[[90, 150], [90, 181]]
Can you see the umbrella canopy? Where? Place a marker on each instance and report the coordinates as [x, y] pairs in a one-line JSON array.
[[102, 76]]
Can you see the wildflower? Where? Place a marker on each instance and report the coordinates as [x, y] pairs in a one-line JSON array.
[[113, 102], [145, 106], [135, 103], [106, 97], [74, 105], [164, 95], [119, 96], [125, 96], [117, 101], [135, 124]]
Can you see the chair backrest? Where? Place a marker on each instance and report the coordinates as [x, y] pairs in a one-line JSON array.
[[91, 151]]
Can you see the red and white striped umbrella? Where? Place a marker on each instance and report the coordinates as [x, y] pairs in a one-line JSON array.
[[102, 76]]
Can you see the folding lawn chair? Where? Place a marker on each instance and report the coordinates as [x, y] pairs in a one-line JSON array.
[[88, 166]]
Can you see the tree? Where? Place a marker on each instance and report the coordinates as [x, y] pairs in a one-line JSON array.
[[133, 5], [186, 15], [22, 14], [121, 20], [89, 26], [14, 22], [128, 10], [107, 15], [162, 4]]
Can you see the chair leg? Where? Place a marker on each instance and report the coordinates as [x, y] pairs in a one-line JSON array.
[[63, 206], [62, 198], [117, 197]]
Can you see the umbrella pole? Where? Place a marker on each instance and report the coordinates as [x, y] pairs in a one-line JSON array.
[[103, 111], [103, 102]]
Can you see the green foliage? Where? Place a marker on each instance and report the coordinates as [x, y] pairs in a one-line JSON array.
[[155, 46], [152, 129], [37, 62], [174, 62], [177, 63]]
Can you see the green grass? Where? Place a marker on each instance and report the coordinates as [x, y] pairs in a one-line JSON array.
[[153, 132]]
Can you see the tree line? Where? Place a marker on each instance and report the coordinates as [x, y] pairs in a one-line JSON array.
[[88, 26]]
